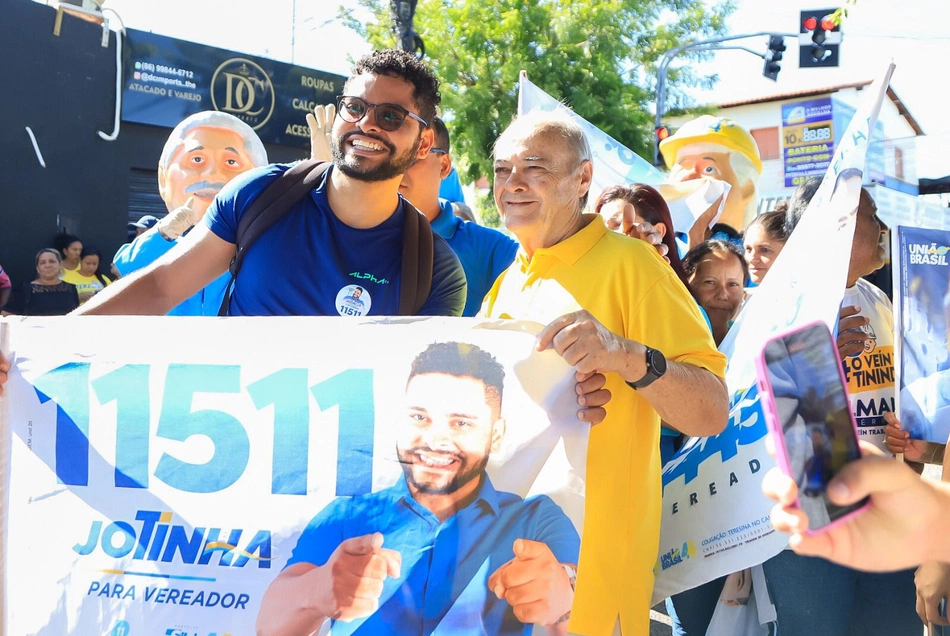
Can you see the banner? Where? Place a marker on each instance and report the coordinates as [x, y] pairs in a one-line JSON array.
[[921, 284], [808, 139], [613, 162], [166, 80], [715, 517], [161, 473]]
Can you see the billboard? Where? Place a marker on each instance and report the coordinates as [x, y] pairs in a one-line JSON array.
[[808, 139], [166, 80]]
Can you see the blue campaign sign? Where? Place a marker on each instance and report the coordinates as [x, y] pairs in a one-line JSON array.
[[165, 487], [921, 258], [808, 140], [166, 80]]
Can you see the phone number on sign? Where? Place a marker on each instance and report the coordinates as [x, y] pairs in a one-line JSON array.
[[171, 70]]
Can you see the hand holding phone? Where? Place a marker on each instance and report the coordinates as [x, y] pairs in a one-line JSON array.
[[809, 417], [906, 524]]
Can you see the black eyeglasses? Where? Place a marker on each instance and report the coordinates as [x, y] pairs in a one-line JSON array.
[[389, 117]]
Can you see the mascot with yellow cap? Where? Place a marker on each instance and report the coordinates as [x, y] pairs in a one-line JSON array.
[[711, 147]]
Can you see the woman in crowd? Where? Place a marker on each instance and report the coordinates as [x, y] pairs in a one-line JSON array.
[[87, 278], [622, 206], [70, 250], [46, 295], [764, 238], [716, 272]]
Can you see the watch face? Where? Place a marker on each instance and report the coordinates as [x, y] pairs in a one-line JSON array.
[[658, 362]]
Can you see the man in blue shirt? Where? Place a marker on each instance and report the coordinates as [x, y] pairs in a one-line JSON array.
[[347, 231], [453, 544], [484, 252], [202, 153]]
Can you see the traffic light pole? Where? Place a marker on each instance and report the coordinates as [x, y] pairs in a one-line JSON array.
[[697, 45]]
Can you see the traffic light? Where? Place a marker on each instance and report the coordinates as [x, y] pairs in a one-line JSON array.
[[819, 38], [662, 132], [773, 57]]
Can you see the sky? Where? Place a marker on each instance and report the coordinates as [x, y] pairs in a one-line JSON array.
[[914, 33]]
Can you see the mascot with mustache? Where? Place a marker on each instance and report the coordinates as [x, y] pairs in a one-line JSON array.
[[202, 154]]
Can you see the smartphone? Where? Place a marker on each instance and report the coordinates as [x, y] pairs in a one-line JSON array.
[[806, 407]]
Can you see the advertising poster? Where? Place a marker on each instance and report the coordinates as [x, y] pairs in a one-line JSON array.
[[162, 484], [808, 139], [166, 80], [715, 517], [921, 309]]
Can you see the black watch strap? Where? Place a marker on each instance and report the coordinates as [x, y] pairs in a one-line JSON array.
[[656, 368]]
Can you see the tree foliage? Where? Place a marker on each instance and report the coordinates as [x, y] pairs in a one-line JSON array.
[[599, 56]]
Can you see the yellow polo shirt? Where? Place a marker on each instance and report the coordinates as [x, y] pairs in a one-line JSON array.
[[633, 292]]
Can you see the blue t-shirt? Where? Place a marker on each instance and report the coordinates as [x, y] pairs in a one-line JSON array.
[[147, 248], [485, 253], [451, 187], [309, 263], [443, 584]]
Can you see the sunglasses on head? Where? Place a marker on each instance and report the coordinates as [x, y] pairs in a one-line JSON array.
[[389, 117]]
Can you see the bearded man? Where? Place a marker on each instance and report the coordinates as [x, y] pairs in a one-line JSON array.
[[347, 232]]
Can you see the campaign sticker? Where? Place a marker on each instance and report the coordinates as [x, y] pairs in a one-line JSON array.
[[353, 300]]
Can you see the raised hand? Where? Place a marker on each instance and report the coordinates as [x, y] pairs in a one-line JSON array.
[[178, 220], [320, 122]]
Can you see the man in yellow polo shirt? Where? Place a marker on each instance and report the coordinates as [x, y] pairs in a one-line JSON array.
[[612, 306]]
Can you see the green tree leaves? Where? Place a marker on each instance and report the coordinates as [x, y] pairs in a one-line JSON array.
[[598, 56]]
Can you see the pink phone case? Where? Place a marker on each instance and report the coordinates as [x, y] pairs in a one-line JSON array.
[[772, 419]]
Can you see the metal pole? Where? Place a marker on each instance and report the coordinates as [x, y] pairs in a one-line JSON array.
[[664, 65]]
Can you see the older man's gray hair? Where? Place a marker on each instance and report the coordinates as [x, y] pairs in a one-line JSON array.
[[214, 119], [556, 123]]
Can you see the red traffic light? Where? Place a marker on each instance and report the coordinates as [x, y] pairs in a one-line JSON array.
[[810, 23], [662, 133], [827, 23]]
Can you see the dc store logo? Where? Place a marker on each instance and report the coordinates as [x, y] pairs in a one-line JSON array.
[[243, 89]]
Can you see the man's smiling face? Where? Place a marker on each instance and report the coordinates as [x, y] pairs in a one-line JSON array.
[[366, 152], [451, 430]]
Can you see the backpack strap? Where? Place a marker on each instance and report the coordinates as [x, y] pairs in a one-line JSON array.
[[418, 256], [271, 204]]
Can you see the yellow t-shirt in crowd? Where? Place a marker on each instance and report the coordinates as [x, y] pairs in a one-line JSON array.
[[87, 286], [628, 287]]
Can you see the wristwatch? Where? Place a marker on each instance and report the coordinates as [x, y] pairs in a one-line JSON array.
[[656, 367]]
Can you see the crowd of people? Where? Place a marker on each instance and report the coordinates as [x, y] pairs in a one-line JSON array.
[[636, 305], [67, 275]]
